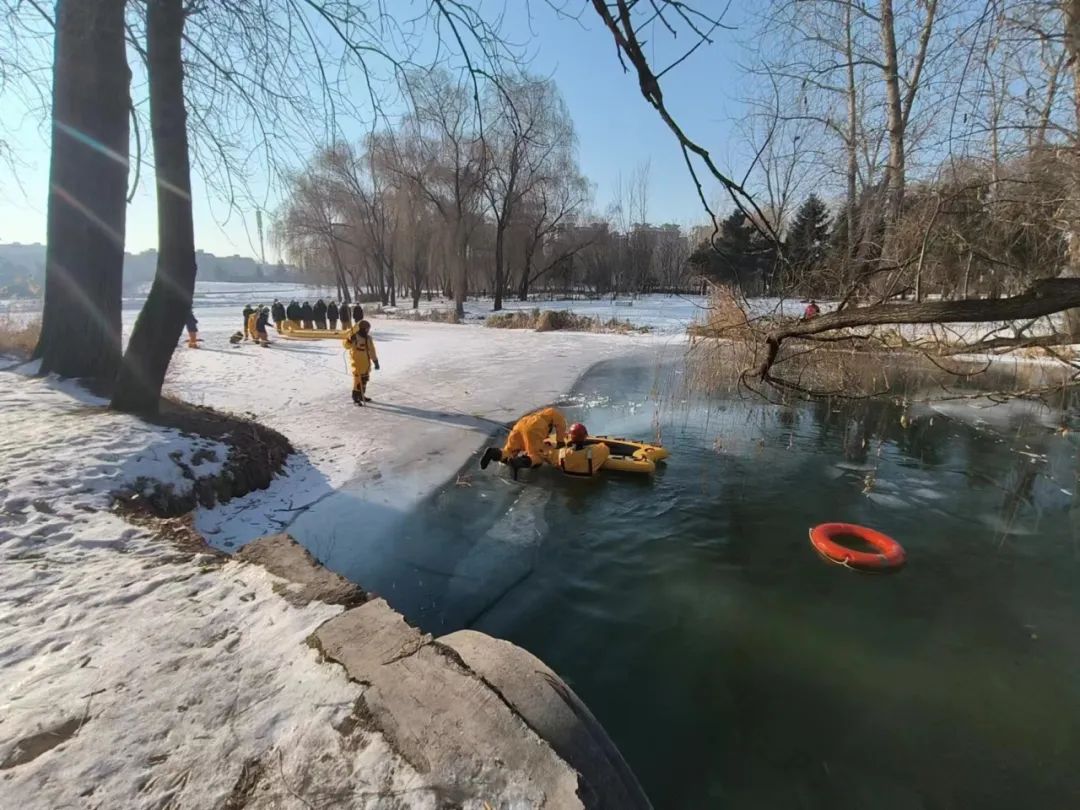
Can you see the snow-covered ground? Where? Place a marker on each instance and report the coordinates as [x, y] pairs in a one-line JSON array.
[[130, 675]]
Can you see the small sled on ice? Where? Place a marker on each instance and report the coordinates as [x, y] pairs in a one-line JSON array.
[[287, 329]]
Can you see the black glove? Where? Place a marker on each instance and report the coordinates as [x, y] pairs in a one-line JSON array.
[[376, 365]]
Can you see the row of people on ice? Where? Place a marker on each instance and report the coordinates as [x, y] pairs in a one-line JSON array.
[[320, 315]]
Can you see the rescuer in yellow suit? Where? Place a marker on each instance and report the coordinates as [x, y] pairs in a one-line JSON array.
[[525, 445], [251, 328], [579, 458], [363, 356]]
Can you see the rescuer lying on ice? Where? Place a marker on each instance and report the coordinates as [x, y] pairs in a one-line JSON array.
[[363, 356], [527, 446]]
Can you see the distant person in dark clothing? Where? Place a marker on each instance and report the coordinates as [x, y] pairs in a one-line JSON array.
[[248, 310], [345, 313], [331, 315], [192, 327], [319, 313], [306, 315], [277, 310], [293, 314], [357, 313]]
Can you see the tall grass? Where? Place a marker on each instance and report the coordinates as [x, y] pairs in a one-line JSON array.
[[18, 336], [550, 320]]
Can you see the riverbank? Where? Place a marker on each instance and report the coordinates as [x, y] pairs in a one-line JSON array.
[[136, 672]]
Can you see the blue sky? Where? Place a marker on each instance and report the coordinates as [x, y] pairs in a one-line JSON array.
[[616, 129]]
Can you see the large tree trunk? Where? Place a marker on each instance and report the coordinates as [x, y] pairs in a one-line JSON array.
[[461, 271], [894, 117], [88, 173], [138, 388], [1072, 44], [500, 275], [526, 272], [852, 135]]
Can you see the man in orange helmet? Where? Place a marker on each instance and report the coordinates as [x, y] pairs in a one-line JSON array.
[[524, 446]]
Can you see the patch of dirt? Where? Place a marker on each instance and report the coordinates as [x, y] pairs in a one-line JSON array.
[[250, 774], [30, 748], [256, 454]]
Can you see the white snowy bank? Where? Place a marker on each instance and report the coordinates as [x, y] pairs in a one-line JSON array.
[[131, 675]]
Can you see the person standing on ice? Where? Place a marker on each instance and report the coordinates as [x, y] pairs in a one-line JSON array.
[[345, 313], [306, 315], [331, 315], [277, 310], [319, 312], [192, 326], [293, 314], [248, 310], [357, 313], [251, 328], [262, 323], [362, 356], [524, 446]]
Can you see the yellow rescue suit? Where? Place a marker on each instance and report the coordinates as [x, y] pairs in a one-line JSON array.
[[529, 433], [362, 356], [252, 326], [585, 460]]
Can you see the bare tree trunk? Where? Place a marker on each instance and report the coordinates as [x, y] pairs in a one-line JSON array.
[[894, 116], [461, 270], [84, 259], [526, 272], [852, 135], [138, 387], [500, 273], [1043, 297], [1072, 44]]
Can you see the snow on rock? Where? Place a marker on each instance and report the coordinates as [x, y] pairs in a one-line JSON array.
[[131, 676]]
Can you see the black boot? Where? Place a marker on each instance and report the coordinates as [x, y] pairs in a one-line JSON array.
[[519, 463], [357, 397], [490, 455]]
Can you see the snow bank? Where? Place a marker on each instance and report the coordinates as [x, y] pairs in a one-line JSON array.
[[130, 676]]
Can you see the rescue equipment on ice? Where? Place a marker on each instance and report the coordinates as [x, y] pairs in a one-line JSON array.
[[294, 331], [624, 455], [888, 555]]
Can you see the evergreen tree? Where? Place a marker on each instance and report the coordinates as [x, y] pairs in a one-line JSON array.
[[741, 256], [807, 242]]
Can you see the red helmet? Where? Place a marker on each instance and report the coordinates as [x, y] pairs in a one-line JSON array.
[[578, 432]]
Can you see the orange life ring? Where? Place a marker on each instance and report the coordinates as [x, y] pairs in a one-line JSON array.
[[889, 555]]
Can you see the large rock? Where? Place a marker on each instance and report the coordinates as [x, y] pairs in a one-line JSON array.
[[307, 580], [557, 715], [465, 741]]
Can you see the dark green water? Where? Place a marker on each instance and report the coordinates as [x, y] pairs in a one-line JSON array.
[[732, 666]]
